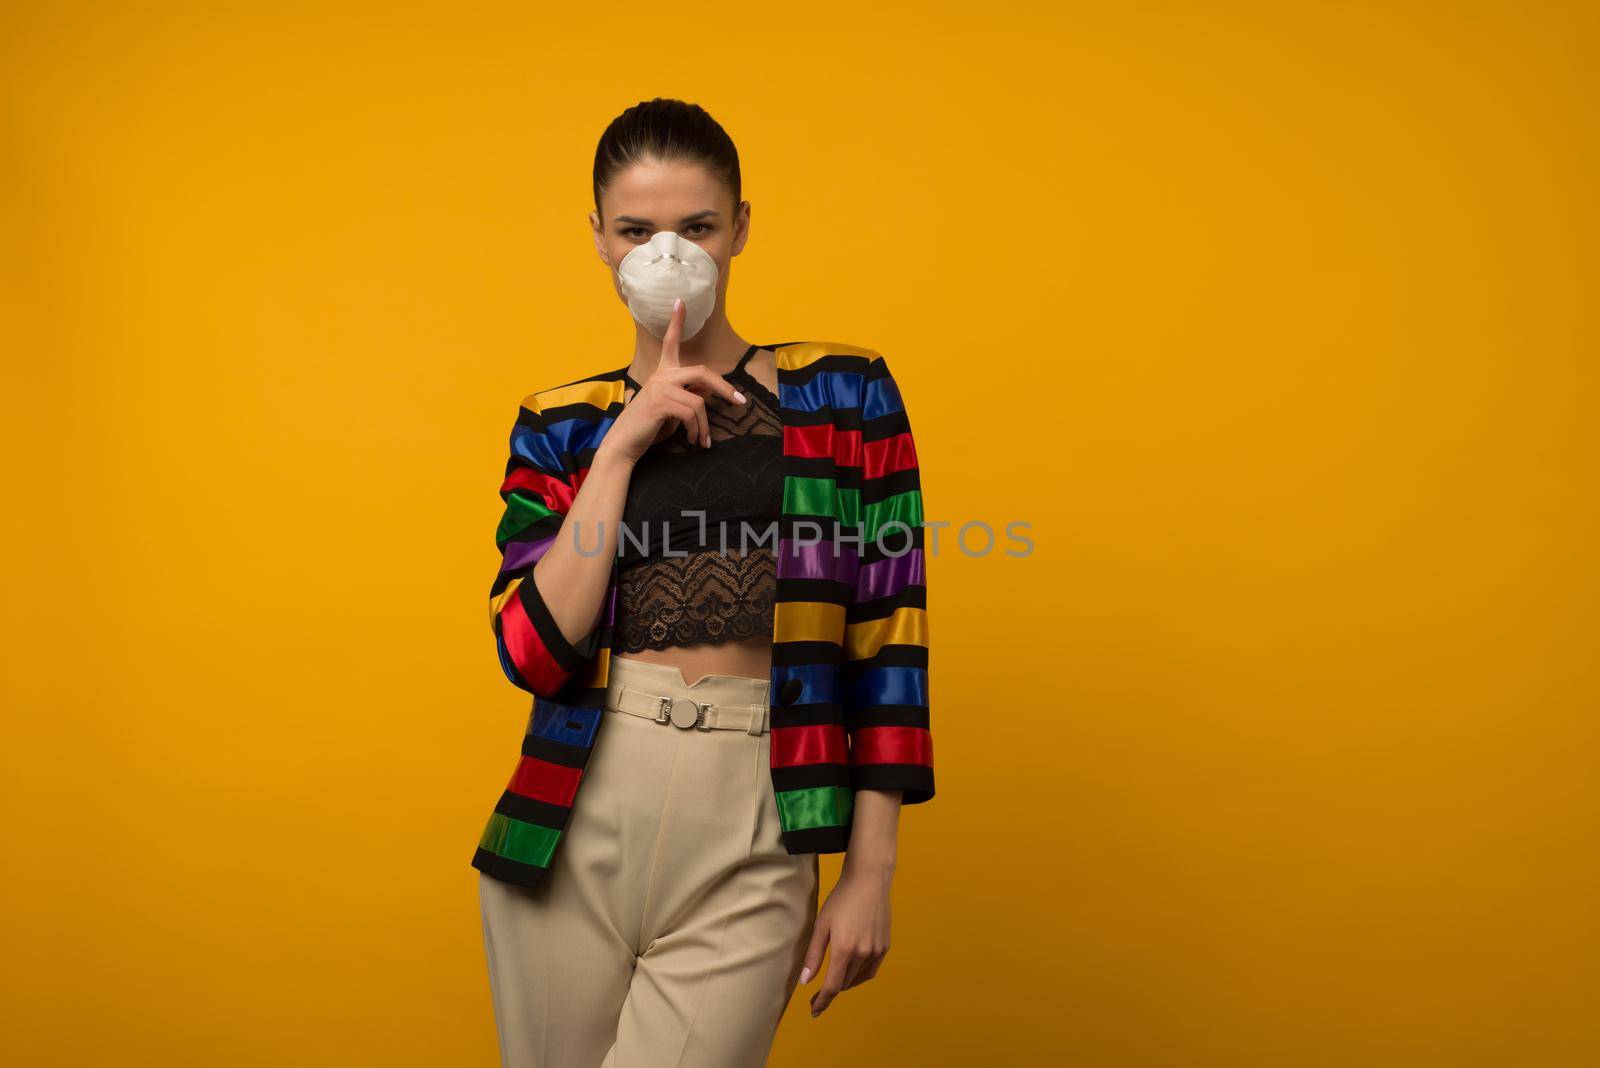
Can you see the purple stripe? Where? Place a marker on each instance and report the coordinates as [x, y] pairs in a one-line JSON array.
[[799, 560], [886, 577], [525, 553]]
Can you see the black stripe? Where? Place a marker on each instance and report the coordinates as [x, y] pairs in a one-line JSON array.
[[809, 776], [913, 595], [817, 529], [613, 375], [799, 376], [529, 418], [807, 715], [915, 779], [913, 656], [577, 695], [822, 467], [584, 411], [821, 417], [889, 716], [825, 591], [805, 653], [817, 840], [886, 425], [891, 543], [882, 487], [508, 870], [568, 756], [532, 810]]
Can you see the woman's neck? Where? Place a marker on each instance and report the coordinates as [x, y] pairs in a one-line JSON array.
[[715, 345]]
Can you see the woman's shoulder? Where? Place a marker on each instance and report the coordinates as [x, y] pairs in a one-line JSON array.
[[823, 355], [580, 398], [802, 362]]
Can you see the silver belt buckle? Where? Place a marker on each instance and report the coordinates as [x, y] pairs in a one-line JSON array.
[[669, 713]]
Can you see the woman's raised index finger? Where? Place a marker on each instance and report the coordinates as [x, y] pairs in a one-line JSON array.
[[669, 343]]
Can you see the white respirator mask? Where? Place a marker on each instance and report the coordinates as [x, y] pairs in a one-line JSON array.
[[666, 267]]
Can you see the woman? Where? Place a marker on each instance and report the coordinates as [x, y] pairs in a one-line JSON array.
[[666, 916]]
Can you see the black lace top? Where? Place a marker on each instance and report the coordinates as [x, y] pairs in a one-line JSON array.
[[720, 579]]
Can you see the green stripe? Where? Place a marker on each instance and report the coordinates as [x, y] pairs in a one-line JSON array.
[[810, 496], [823, 497], [905, 507], [516, 840], [849, 509], [523, 510], [819, 806]]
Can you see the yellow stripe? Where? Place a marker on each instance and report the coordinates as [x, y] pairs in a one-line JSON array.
[[794, 357], [499, 600], [908, 626], [599, 394], [808, 621]]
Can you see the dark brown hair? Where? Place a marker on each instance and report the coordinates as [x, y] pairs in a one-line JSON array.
[[665, 130]]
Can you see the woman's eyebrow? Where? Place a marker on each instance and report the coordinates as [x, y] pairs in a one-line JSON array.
[[707, 214]]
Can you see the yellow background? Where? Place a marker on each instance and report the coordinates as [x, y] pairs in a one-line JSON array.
[[1280, 749]]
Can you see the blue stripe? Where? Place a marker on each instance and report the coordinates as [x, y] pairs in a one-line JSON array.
[[541, 450], [556, 722], [819, 683], [836, 389], [883, 398], [889, 686], [569, 437]]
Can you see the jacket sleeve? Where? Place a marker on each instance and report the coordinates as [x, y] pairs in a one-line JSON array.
[[537, 492], [886, 623]]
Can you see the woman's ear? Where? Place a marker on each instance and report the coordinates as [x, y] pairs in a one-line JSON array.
[[599, 233], [741, 228]]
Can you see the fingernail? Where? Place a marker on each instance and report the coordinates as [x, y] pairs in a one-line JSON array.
[[677, 302], [738, 396], [805, 975]]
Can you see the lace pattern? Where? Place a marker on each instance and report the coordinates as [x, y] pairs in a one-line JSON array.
[[709, 596], [702, 599]]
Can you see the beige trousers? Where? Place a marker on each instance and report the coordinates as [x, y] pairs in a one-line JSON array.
[[672, 925]]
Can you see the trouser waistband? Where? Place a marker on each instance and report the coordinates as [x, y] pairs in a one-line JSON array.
[[713, 702]]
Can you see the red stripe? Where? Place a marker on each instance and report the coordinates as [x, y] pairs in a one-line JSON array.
[[544, 781], [889, 455], [828, 442], [556, 494], [814, 743], [534, 662], [892, 745]]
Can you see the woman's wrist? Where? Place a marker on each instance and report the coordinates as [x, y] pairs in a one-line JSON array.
[[874, 867], [610, 456], [874, 834]]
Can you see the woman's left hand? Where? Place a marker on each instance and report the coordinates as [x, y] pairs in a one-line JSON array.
[[855, 922]]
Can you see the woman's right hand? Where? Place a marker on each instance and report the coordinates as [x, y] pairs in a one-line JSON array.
[[674, 396]]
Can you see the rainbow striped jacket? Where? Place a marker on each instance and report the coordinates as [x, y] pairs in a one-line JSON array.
[[850, 625]]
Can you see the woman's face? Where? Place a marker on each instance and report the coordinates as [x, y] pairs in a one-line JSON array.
[[685, 198]]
